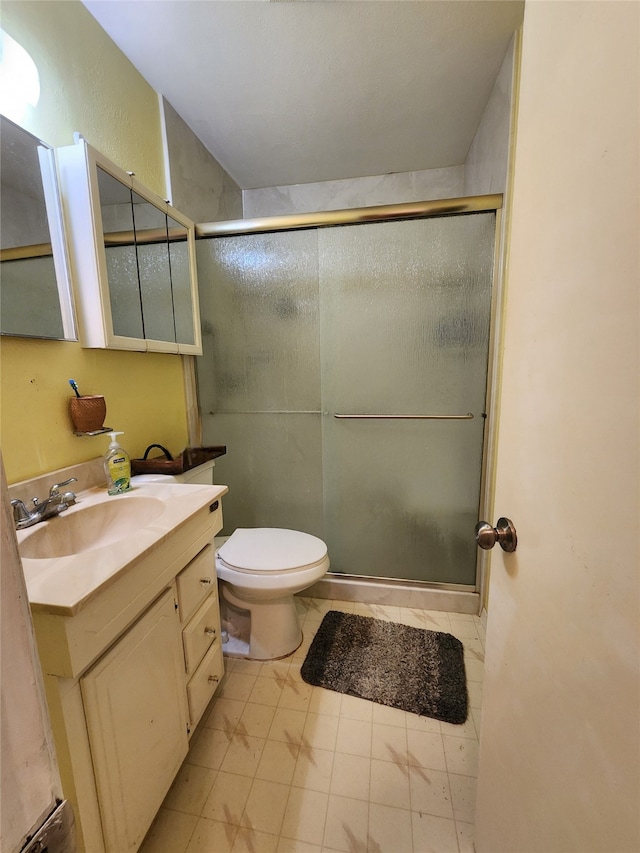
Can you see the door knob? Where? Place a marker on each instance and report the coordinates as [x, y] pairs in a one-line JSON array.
[[504, 533]]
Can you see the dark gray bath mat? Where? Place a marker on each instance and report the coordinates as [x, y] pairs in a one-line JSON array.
[[409, 668]]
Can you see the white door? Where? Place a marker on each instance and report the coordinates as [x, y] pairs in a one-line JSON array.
[[559, 750]]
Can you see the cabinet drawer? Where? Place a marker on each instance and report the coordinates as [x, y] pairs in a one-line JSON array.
[[201, 632], [204, 682], [196, 582]]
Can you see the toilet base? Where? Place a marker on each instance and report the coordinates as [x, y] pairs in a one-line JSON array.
[[272, 626]]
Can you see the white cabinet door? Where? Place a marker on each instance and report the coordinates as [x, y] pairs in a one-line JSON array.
[[136, 717]]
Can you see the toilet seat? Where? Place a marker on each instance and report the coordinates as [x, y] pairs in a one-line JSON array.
[[271, 549]]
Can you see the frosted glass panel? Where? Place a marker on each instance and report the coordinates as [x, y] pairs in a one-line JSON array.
[[405, 312], [259, 310], [405, 315], [273, 468], [401, 498]]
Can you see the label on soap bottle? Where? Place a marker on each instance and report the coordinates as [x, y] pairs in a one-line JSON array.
[[119, 472]]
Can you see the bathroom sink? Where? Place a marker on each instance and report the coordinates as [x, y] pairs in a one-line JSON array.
[[86, 528], [71, 558]]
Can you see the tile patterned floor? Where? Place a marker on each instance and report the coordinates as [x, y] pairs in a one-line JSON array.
[[278, 766]]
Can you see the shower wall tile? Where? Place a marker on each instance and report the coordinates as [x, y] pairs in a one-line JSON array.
[[200, 187], [355, 192]]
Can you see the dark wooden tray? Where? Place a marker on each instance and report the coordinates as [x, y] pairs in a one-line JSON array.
[[190, 458]]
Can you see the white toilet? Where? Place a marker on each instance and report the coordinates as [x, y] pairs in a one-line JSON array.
[[259, 571]]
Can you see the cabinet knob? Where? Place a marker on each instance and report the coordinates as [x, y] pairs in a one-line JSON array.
[[213, 679], [206, 581], [210, 632]]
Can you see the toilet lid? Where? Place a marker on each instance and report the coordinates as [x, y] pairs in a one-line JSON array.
[[271, 549]]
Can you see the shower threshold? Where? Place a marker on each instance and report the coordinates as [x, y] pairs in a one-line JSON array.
[[401, 593]]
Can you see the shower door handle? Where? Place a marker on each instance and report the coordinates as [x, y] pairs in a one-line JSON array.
[[504, 533], [467, 417]]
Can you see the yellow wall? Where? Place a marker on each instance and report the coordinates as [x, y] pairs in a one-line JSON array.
[[87, 85]]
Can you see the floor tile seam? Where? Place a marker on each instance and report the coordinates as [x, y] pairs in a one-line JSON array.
[[458, 821], [462, 775], [404, 763], [407, 764], [402, 726], [191, 834], [324, 845], [202, 807], [388, 806], [235, 826], [458, 773], [419, 812], [449, 799], [413, 814], [181, 811], [289, 743], [454, 736], [473, 737], [304, 788], [262, 704], [240, 824], [352, 754], [187, 763], [292, 837]]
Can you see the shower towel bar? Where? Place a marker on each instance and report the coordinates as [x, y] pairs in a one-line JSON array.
[[466, 417]]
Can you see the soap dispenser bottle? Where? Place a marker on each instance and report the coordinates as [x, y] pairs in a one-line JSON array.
[[117, 467]]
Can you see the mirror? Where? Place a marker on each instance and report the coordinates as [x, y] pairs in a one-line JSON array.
[[120, 253], [35, 290], [154, 270]]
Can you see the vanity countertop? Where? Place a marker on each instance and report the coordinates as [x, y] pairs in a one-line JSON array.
[[64, 584]]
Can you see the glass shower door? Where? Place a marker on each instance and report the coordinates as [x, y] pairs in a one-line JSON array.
[[259, 376], [404, 314]]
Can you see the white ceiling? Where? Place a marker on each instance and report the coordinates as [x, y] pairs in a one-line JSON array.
[[295, 92]]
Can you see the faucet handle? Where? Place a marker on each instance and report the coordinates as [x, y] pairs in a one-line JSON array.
[[53, 491], [20, 512]]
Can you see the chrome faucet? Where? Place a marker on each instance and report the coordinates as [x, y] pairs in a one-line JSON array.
[[56, 503]]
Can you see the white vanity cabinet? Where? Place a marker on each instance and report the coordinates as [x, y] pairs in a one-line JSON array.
[[134, 705], [132, 256], [130, 669]]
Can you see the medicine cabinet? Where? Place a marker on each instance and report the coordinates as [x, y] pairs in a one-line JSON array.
[[133, 258], [35, 290]]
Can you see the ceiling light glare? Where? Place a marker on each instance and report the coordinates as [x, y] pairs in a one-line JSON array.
[[19, 79]]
